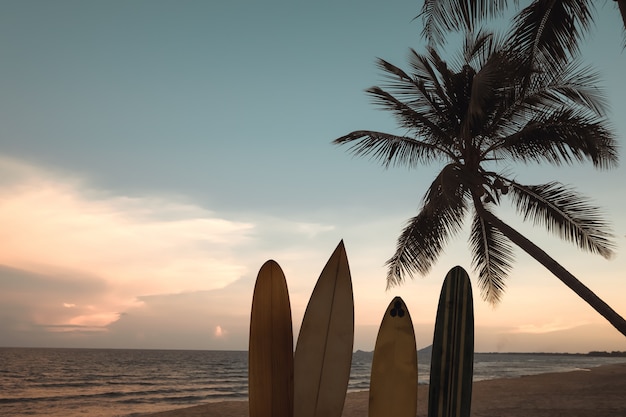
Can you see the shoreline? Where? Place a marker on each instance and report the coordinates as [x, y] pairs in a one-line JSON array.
[[594, 392]]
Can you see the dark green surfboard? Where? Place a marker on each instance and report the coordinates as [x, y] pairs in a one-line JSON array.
[[452, 360]]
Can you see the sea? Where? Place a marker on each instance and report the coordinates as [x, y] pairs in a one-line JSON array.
[[55, 382]]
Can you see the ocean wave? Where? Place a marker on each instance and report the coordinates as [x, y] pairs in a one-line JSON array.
[[76, 382]]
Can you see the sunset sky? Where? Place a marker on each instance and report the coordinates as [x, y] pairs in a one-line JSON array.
[[154, 154]]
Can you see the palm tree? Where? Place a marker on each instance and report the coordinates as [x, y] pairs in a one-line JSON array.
[[488, 109]]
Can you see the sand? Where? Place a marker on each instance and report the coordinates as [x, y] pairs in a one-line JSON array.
[[598, 392]]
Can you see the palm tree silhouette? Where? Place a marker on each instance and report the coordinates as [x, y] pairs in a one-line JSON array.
[[491, 107]]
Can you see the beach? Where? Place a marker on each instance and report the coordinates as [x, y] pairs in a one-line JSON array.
[[597, 392]]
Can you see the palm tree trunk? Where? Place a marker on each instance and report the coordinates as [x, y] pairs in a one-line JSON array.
[[559, 271]]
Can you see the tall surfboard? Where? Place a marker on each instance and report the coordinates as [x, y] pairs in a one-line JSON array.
[[324, 349], [452, 361], [393, 382], [270, 353]]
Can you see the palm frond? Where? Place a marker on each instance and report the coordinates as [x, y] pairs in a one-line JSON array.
[[621, 8], [573, 85], [549, 32], [415, 91], [390, 149], [561, 137], [565, 213], [425, 235], [431, 78], [426, 69], [571, 90], [475, 44], [393, 70], [418, 123], [441, 16], [492, 257]]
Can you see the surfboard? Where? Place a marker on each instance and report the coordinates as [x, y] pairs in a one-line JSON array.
[[324, 348], [270, 353], [393, 381], [452, 361]]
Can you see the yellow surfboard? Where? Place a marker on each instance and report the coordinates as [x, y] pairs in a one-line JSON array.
[[270, 353], [324, 349], [393, 381]]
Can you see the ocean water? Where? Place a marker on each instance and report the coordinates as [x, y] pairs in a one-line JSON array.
[[123, 383]]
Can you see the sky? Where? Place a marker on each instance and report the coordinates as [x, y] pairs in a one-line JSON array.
[[154, 154]]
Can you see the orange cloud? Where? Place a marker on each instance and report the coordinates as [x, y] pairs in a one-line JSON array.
[[137, 245]]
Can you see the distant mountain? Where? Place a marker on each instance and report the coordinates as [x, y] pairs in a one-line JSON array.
[[362, 355], [425, 353], [613, 354]]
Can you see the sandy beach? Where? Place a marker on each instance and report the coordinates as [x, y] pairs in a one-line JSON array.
[[598, 392]]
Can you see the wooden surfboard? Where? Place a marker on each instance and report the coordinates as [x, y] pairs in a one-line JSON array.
[[393, 382], [270, 353], [452, 361], [324, 349]]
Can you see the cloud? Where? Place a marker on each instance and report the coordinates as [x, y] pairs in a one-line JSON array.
[[213, 319], [313, 229], [113, 249], [156, 244]]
